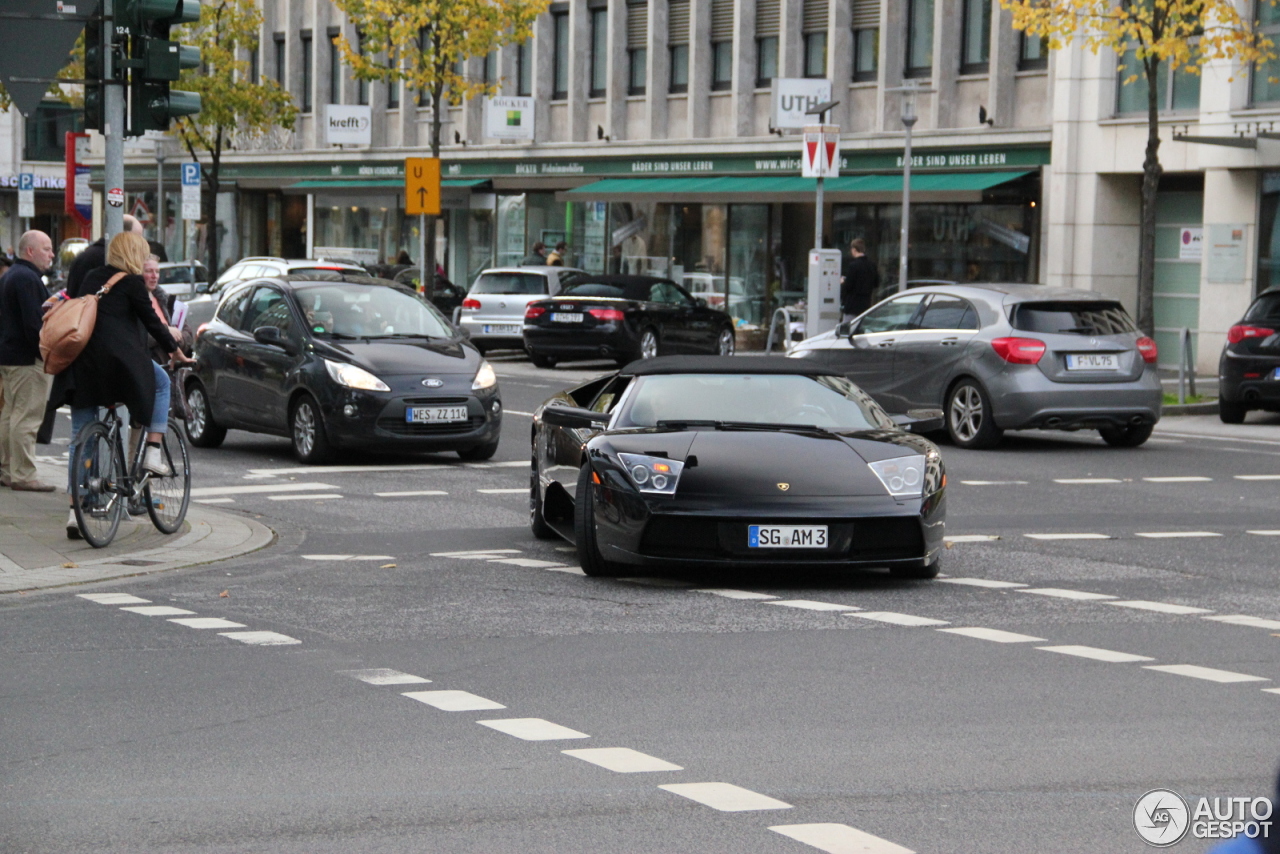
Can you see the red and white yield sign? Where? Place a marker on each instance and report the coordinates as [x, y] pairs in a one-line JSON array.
[[821, 155]]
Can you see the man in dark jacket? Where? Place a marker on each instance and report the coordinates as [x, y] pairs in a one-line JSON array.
[[26, 385], [858, 281], [537, 256], [94, 256]]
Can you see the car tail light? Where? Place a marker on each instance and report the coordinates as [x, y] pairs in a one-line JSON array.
[[471, 303], [606, 314], [1148, 349], [534, 311], [1240, 331], [1019, 351]]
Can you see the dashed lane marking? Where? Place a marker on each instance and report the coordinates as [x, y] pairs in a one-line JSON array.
[[571, 570], [208, 491], [302, 497], [261, 638], [348, 557], [1242, 620], [810, 605], [1067, 536], [982, 582], [1087, 480], [113, 598], [384, 676], [1264, 533], [1272, 690], [972, 538], [1208, 673], [206, 623], [1160, 607], [996, 635], [1177, 479], [527, 562], [725, 797], [728, 593], [1175, 535], [157, 610], [453, 701], [1093, 652], [897, 619], [411, 493], [839, 839], [623, 760], [1065, 594], [994, 482], [1258, 477], [214, 500], [477, 554], [533, 729], [518, 412], [524, 490]]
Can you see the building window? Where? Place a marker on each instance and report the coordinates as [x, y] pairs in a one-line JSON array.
[[637, 50], [919, 38], [281, 69], [815, 54], [1267, 19], [307, 59], [678, 41], [46, 131], [524, 69], [393, 86], [362, 86], [335, 67], [599, 52], [638, 62], [255, 73], [1033, 52], [491, 68], [1177, 92], [766, 60], [976, 50], [560, 73], [866, 39], [722, 65]]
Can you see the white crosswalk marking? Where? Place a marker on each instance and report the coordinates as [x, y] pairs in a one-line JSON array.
[[308, 497], [1067, 536], [261, 638], [839, 839], [897, 619], [1065, 594], [113, 598], [972, 538], [411, 493], [996, 635], [623, 760], [1161, 607], [1252, 622], [206, 623], [1096, 654], [524, 490], [266, 488], [734, 594], [533, 729], [384, 676], [1209, 673], [528, 562], [1177, 479], [810, 605], [981, 582], [725, 797], [157, 610], [1086, 480], [1175, 535], [453, 701]]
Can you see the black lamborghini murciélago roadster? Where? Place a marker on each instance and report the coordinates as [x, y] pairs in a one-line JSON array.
[[733, 462]]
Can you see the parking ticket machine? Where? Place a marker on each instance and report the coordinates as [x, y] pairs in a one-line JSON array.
[[824, 291]]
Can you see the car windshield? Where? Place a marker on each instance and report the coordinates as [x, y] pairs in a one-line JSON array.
[[510, 283], [175, 275], [1083, 318], [1265, 310], [638, 291], [368, 311], [831, 403]]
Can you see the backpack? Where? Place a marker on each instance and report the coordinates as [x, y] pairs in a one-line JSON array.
[[68, 326]]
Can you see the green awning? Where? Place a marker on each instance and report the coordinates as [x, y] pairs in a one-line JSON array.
[[376, 184], [776, 188]]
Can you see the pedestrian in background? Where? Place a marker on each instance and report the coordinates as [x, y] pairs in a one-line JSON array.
[[858, 281], [26, 385], [556, 258], [537, 256], [93, 257]]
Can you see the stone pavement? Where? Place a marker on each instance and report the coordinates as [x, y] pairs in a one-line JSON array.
[[35, 552]]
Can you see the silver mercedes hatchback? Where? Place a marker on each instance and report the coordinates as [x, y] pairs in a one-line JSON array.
[[998, 357]]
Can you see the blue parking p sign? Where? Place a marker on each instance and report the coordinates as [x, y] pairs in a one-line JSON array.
[[26, 181], [191, 174]]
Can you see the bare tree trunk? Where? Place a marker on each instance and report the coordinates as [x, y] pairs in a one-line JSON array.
[[211, 207], [1151, 171]]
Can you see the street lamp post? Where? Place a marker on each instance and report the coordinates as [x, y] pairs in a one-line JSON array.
[[909, 92], [158, 214]]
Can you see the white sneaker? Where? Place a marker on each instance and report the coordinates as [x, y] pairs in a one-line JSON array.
[[153, 461], [73, 527]]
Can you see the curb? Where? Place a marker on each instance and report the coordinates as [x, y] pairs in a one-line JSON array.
[[1208, 408]]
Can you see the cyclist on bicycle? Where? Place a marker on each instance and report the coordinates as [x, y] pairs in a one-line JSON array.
[[115, 365]]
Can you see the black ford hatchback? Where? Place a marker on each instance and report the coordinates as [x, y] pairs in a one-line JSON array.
[[1249, 369], [341, 361]]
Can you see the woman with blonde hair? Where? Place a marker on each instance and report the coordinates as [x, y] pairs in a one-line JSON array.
[[115, 366]]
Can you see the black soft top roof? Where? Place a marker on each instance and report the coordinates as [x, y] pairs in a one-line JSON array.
[[665, 365]]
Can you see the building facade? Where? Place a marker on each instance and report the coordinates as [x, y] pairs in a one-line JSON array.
[[36, 146]]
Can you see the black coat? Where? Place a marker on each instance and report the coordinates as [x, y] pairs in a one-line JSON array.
[[116, 366], [861, 278], [22, 293], [90, 258]]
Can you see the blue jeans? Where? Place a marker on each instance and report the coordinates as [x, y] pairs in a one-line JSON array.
[[80, 416], [160, 410]]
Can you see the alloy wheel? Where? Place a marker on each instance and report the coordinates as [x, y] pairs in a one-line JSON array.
[[966, 413], [304, 429], [648, 344], [726, 344], [195, 401]]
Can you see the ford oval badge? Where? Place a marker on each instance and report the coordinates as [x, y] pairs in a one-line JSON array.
[[432, 382]]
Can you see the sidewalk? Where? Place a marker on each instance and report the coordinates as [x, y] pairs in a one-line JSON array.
[[36, 554]]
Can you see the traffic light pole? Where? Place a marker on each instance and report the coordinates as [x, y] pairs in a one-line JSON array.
[[113, 115]]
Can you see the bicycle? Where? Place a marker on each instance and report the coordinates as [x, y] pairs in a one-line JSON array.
[[103, 484]]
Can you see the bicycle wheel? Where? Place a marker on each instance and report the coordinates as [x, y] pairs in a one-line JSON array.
[[168, 497], [96, 473]]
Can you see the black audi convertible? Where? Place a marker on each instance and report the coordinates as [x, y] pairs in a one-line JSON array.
[[732, 462]]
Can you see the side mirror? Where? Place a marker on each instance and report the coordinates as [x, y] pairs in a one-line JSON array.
[[270, 335], [463, 332], [202, 288], [573, 417], [844, 328], [700, 302]]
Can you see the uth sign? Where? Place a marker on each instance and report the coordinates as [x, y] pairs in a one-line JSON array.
[[794, 97]]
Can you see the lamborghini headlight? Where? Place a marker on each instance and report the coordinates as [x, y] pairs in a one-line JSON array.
[[348, 375], [655, 475], [902, 476]]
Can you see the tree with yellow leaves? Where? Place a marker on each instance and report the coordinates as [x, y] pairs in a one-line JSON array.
[[428, 43], [232, 103], [1170, 34]]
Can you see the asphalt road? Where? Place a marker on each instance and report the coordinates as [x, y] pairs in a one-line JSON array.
[[1109, 624]]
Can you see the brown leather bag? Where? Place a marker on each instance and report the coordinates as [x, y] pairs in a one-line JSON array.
[[68, 327]]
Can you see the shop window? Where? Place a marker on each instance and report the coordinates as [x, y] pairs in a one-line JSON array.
[[599, 52], [335, 67], [866, 39], [722, 65], [1177, 92], [1033, 52], [307, 59], [524, 69], [815, 54], [560, 70], [976, 48], [766, 61], [46, 131], [1266, 75], [919, 38]]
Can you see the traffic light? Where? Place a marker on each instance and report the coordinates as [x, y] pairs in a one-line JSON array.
[[94, 68], [155, 61]]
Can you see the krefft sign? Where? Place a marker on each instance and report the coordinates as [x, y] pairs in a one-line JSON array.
[[348, 125]]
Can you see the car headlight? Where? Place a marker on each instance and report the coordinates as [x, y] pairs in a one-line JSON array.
[[655, 475], [902, 476], [485, 377], [352, 377]]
